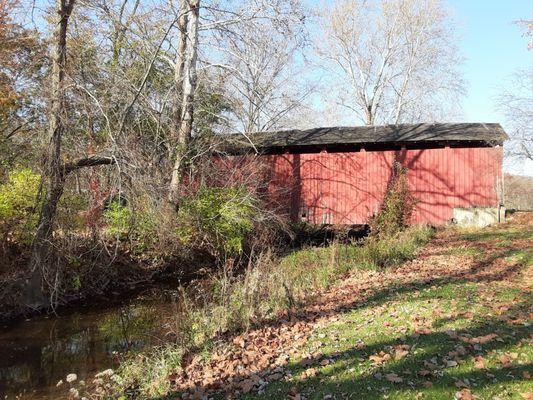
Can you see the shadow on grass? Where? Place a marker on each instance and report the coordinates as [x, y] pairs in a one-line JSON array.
[[436, 344], [428, 353]]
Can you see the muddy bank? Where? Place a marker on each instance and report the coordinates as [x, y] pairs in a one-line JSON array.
[[98, 273], [113, 269]]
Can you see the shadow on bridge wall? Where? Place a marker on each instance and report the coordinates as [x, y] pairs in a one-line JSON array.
[[348, 187]]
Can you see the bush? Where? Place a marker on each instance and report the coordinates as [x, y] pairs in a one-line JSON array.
[[139, 225], [397, 208], [119, 220], [18, 205], [219, 219]]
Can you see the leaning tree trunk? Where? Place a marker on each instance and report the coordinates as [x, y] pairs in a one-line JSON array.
[[188, 87], [54, 171]]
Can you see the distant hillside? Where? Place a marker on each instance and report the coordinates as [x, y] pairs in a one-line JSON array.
[[518, 192]]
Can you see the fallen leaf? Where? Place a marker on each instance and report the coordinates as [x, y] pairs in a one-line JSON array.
[[380, 357], [451, 363], [294, 394], [484, 339], [464, 394], [461, 384], [400, 353], [505, 360], [306, 362], [309, 372], [275, 377], [247, 385], [393, 378], [479, 362]]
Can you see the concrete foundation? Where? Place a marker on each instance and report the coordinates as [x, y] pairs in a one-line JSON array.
[[478, 216]]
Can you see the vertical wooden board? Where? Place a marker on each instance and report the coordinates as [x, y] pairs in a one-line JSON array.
[[350, 186], [312, 186], [342, 186], [459, 177], [433, 203], [339, 203], [444, 185], [476, 176], [450, 167], [354, 208], [467, 177], [414, 178], [424, 186], [451, 173]]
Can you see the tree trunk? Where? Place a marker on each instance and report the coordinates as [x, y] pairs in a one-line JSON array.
[[54, 171], [187, 101], [178, 73], [369, 115]]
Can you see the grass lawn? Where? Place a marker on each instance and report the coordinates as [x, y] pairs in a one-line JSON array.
[[451, 324]]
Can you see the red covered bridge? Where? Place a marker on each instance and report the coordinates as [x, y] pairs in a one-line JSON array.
[[339, 175]]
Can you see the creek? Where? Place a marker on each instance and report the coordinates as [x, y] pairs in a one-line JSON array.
[[36, 353]]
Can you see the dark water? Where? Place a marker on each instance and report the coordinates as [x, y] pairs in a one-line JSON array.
[[36, 353]]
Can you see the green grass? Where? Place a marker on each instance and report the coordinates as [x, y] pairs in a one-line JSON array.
[[465, 251], [361, 333], [506, 233], [440, 361]]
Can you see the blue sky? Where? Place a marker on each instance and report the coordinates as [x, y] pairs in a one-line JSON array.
[[493, 48]]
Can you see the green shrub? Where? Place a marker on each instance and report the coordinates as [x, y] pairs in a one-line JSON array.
[[314, 267], [397, 208], [139, 225], [119, 220], [218, 218], [18, 204]]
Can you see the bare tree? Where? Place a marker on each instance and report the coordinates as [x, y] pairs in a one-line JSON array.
[[516, 102], [55, 170], [187, 77], [261, 60], [252, 43], [392, 61]]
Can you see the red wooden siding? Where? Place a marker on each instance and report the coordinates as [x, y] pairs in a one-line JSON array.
[[348, 188]]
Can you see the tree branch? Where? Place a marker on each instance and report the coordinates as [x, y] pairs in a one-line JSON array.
[[92, 161]]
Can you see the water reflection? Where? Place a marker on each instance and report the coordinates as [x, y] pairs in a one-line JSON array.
[[36, 354]]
